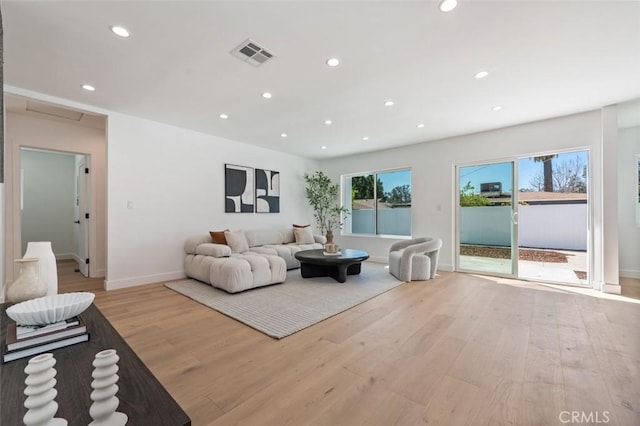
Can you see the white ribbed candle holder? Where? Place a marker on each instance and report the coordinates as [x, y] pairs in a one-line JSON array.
[[41, 393], [103, 410]]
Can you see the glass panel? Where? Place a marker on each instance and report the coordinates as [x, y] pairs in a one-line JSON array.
[[394, 203], [363, 218], [485, 218], [553, 217]]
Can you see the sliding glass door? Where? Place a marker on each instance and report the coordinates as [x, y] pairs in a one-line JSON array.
[[487, 219]]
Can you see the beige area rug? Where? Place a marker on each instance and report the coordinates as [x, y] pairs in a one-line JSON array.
[[283, 309]]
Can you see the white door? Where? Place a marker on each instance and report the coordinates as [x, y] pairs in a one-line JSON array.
[[82, 218]]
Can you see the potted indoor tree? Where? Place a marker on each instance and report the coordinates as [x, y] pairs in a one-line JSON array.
[[323, 198]]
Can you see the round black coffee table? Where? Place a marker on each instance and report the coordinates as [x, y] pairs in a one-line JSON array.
[[314, 263]]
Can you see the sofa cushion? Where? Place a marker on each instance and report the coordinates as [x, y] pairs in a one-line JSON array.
[[237, 241], [192, 243], [301, 226], [215, 250], [218, 236], [287, 236], [261, 237], [303, 235]]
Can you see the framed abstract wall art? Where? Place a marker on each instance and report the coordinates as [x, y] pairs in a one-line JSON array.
[[239, 190], [267, 191]]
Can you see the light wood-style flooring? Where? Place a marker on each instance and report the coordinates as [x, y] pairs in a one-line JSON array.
[[456, 350]]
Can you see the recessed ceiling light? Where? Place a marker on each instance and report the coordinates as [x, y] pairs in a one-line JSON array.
[[223, 116], [323, 147], [388, 103], [88, 87], [366, 138], [333, 62], [497, 108], [327, 122], [283, 135], [481, 74], [267, 95], [420, 126], [448, 5], [120, 31]]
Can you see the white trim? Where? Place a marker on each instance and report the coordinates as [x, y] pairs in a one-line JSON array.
[[65, 256], [612, 288], [144, 279]]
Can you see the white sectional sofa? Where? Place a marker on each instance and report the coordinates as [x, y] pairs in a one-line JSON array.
[[251, 258]]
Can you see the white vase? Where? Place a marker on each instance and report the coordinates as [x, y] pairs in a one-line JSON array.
[[40, 392], [28, 285], [48, 269], [103, 410]]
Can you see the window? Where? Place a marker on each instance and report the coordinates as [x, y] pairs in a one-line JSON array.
[[383, 208]]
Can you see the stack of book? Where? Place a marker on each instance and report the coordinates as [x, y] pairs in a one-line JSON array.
[[24, 341]]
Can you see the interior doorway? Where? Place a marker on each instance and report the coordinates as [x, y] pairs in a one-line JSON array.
[[525, 218], [54, 200]]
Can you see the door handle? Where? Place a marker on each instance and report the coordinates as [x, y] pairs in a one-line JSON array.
[[76, 221], [514, 217]]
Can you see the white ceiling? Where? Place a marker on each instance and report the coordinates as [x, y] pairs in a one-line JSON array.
[[545, 58]]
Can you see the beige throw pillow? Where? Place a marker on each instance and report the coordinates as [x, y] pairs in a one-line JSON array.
[[237, 241], [303, 235]]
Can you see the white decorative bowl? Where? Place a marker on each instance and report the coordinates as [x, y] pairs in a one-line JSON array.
[[50, 309]]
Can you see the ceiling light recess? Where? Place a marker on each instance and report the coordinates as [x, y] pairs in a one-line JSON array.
[[481, 74], [366, 138], [420, 126], [327, 122], [223, 116], [283, 135], [119, 31], [88, 87], [323, 147], [333, 62], [388, 103], [497, 108], [447, 5]]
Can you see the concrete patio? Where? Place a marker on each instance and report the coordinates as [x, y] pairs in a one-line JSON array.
[[535, 271]]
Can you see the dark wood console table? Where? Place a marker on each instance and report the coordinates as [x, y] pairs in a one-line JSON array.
[[141, 395]]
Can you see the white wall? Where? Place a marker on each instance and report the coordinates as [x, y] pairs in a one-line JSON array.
[[629, 229], [173, 180], [49, 198], [433, 178]]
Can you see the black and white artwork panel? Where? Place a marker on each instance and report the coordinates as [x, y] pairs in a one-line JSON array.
[[267, 191], [239, 190]]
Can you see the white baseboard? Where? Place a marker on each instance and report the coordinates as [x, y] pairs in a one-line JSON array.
[[612, 288], [99, 273], [145, 279], [445, 267], [65, 256], [629, 273]]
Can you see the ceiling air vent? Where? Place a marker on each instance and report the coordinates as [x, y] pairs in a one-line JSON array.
[[252, 53]]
